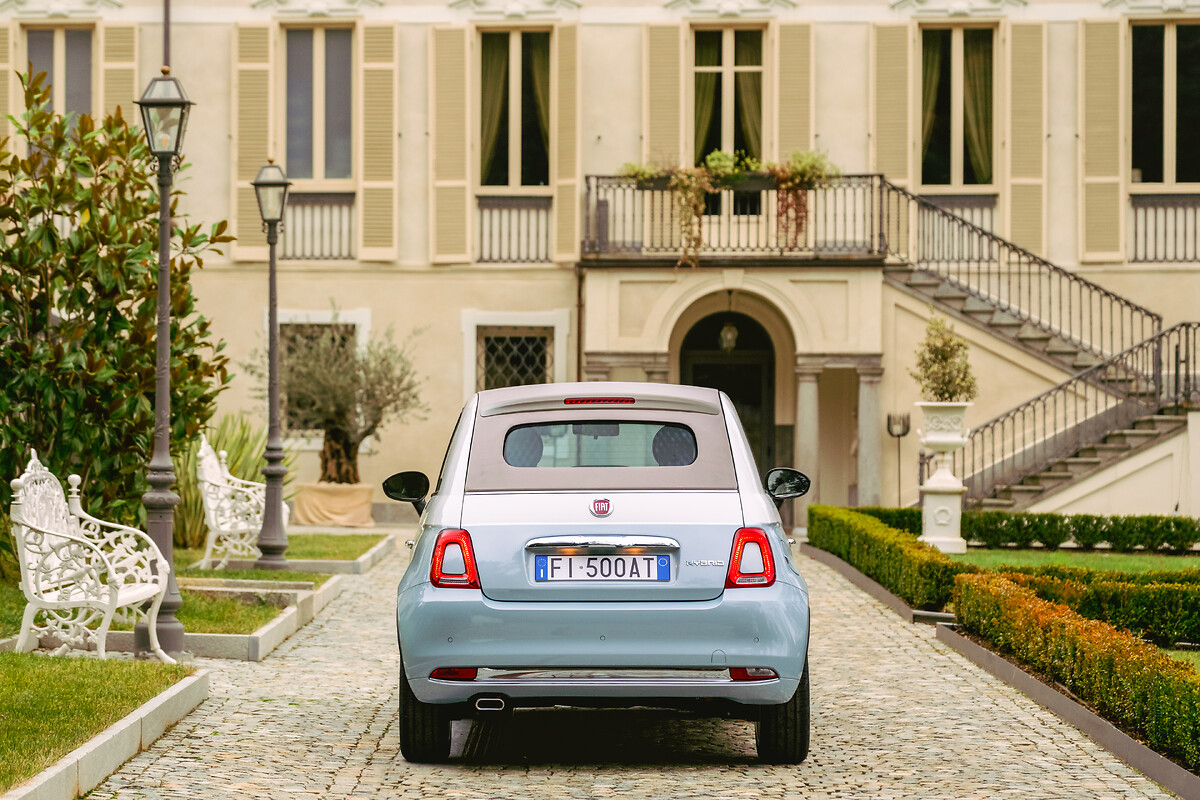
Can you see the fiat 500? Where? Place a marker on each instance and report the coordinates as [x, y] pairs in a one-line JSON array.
[[601, 545]]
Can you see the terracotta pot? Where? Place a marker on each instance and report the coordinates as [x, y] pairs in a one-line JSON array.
[[339, 504]]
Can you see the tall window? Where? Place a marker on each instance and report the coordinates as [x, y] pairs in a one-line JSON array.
[[512, 356], [1166, 103], [514, 113], [65, 55], [728, 92], [957, 119], [319, 91]]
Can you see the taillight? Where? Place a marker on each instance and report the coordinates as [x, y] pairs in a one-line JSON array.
[[454, 561], [751, 563], [752, 674], [454, 673], [598, 401]]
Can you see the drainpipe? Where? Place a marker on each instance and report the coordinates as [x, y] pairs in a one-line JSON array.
[[578, 321]]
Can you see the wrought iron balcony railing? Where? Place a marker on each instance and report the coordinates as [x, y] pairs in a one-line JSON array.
[[512, 229], [625, 219]]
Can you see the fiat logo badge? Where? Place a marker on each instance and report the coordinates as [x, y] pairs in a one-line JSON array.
[[601, 508]]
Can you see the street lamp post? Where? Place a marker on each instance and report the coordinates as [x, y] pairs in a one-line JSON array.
[[164, 107], [271, 188]]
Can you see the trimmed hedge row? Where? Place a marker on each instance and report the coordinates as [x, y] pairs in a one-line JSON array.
[[1164, 613], [1132, 684], [919, 573], [1085, 575], [1003, 528]]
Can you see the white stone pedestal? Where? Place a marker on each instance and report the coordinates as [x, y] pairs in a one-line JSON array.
[[941, 518]]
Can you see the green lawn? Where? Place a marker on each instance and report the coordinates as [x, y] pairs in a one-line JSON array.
[[304, 546], [1094, 559], [50, 706], [199, 613]]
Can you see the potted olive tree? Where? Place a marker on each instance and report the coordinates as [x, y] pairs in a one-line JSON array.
[[348, 392], [948, 387]]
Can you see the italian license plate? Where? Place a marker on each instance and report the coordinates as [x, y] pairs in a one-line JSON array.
[[602, 568]]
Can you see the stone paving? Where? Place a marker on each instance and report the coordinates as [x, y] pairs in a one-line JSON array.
[[896, 714]]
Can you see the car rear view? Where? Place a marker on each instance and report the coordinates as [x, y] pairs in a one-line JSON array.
[[602, 544]]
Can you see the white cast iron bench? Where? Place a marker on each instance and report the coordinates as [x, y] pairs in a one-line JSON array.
[[233, 508], [76, 570]]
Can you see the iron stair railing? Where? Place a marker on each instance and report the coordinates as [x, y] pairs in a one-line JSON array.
[[1161, 372], [1010, 278]]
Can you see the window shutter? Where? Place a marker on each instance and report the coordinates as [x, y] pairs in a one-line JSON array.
[[118, 71], [253, 49], [1101, 76], [892, 141], [377, 174], [566, 143], [1027, 135], [795, 104], [10, 96], [664, 95], [450, 213]]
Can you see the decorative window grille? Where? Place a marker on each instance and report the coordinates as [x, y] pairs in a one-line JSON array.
[[513, 356]]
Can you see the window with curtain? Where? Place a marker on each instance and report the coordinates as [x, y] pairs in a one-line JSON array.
[[727, 101], [514, 108], [1165, 97], [319, 65], [65, 55], [957, 106]]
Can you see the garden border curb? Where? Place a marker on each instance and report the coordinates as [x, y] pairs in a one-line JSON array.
[[1157, 768], [872, 588], [88, 765]]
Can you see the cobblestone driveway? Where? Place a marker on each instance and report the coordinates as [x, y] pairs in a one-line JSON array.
[[896, 714]]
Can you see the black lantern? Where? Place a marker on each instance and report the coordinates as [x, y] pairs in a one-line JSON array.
[[165, 109], [271, 189]]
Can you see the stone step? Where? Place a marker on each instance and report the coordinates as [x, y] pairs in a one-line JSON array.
[[1058, 347], [1051, 478], [1078, 464], [924, 280], [1034, 337], [1003, 320], [997, 503], [1131, 436], [1103, 450], [1014, 489], [1160, 422], [976, 307]]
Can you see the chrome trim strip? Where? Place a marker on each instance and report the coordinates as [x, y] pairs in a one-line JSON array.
[[601, 543], [601, 675]]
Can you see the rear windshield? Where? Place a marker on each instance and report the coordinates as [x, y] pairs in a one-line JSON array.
[[600, 443]]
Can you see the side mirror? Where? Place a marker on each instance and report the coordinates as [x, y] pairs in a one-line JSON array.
[[784, 483], [408, 487]]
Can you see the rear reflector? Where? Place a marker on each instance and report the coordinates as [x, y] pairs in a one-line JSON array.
[[752, 674], [460, 562], [598, 401], [751, 551], [454, 673]]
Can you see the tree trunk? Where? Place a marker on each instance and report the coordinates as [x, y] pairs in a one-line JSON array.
[[339, 458]]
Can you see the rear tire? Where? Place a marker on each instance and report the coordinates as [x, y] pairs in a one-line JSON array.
[[424, 727], [781, 732]]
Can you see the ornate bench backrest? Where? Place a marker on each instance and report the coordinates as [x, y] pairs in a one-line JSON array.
[[49, 562], [209, 468]]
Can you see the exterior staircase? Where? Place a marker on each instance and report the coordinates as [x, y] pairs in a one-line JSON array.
[[1130, 379]]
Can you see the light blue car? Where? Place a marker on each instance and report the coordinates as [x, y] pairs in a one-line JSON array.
[[601, 544]]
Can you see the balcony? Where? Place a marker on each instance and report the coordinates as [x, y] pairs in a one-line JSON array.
[[319, 226], [1164, 228], [627, 220], [511, 229]]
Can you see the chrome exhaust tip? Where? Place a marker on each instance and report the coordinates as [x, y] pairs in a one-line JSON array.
[[490, 704]]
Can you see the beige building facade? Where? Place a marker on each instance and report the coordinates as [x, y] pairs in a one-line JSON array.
[[456, 165]]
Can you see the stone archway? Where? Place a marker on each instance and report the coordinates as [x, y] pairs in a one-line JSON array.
[[732, 352]]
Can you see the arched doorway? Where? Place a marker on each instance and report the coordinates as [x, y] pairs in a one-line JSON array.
[[732, 352]]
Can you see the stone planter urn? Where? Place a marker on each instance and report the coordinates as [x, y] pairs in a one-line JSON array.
[[340, 504], [944, 432]]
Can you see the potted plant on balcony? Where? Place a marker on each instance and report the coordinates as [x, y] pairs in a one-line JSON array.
[[690, 186], [947, 387], [348, 392]]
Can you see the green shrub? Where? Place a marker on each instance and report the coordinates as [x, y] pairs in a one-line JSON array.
[[1131, 683], [10, 570], [1163, 613], [902, 519], [918, 573]]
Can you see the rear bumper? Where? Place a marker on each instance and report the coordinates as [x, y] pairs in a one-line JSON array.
[[747, 627]]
